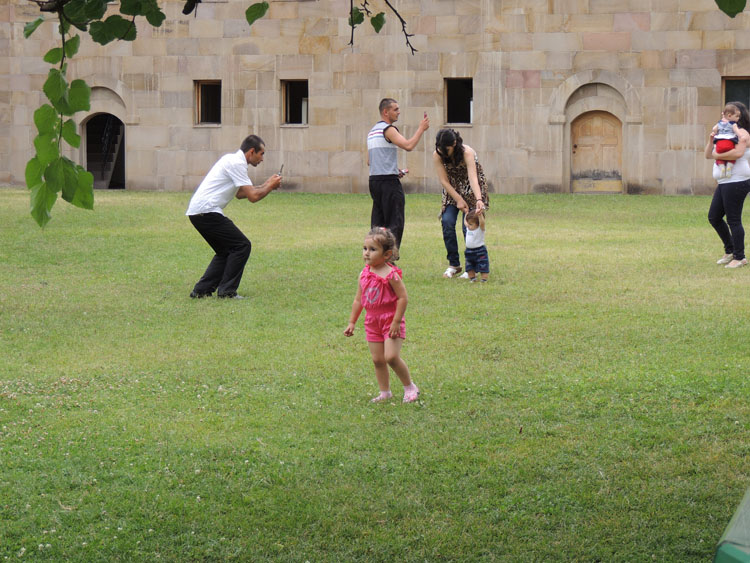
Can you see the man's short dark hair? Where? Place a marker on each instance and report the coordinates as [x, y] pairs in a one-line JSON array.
[[252, 142], [385, 103]]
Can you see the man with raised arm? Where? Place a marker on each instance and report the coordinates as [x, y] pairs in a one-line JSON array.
[[382, 157]]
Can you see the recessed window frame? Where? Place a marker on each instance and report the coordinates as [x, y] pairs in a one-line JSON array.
[[295, 102], [729, 92], [459, 100], [208, 102]]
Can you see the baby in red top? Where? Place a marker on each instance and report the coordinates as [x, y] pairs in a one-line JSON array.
[[382, 294], [726, 136]]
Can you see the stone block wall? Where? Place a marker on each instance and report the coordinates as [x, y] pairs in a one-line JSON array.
[[657, 65]]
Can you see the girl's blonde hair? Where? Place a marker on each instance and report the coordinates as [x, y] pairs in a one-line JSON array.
[[385, 239]]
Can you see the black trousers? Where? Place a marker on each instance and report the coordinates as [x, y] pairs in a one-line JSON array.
[[232, 249], [728, 200], [387, 204]]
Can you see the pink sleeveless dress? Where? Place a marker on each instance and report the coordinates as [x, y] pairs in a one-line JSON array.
[[379, 301]]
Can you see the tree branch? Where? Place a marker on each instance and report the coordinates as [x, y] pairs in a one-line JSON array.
[[351, 21], [403, 26], [50, 5]]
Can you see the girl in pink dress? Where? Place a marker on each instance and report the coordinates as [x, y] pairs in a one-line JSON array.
[[382, 294]]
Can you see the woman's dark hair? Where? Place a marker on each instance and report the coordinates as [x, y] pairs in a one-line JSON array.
[[445, 138], [744, 121]]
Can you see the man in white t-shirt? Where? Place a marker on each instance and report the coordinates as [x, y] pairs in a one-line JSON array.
[[226, 180]]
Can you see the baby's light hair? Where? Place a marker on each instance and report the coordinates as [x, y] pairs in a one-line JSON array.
[[731, 106], [385, 238], [472, 216]]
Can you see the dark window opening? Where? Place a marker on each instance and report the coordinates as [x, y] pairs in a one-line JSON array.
[[737, 90], [208, 98], [459, 94], [295, 95]]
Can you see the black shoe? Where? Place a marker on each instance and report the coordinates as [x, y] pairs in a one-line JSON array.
[[196, 295], [230, 296]]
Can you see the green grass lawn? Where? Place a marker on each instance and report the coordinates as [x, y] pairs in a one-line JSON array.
[[589, 403]]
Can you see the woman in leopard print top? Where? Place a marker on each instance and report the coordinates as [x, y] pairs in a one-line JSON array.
[[464, 189]]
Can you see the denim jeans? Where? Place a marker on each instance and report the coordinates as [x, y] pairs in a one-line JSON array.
[[477, 260], [449, 218], [728, 201]]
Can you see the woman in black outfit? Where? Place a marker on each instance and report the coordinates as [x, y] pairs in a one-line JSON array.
[[730, 193]]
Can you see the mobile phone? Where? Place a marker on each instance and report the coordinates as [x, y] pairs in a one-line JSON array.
[[280, 169]]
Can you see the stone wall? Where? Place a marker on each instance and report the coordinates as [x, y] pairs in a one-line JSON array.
[[536, 65]]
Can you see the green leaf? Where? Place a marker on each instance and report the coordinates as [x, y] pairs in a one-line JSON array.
[[53, 56], [121, 28], [378, 22], [731, 7], [64, 27], [356, 17], [70, 179], [34, 171], [45, 119], [114, 27], [131, 7], [42, 201], [72, 45], [54, 174], [74, 12], [82, 12], [69, 133], [55, 86], [63, 106], [84, 197], [101, 33], [30, 27], [131, 33], [155, 17], [79, 96], [95, 9], [255, 12], [46, 149]]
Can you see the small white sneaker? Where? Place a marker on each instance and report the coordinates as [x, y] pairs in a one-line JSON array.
[[464, 276], [726, 259]]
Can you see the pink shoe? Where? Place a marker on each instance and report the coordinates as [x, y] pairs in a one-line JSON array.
[[411, 395], [384, 396]]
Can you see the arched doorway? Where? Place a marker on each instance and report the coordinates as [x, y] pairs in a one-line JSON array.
[[105, 151], [596, 153]]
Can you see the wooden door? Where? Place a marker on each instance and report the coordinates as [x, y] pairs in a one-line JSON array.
[[596, 159]]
